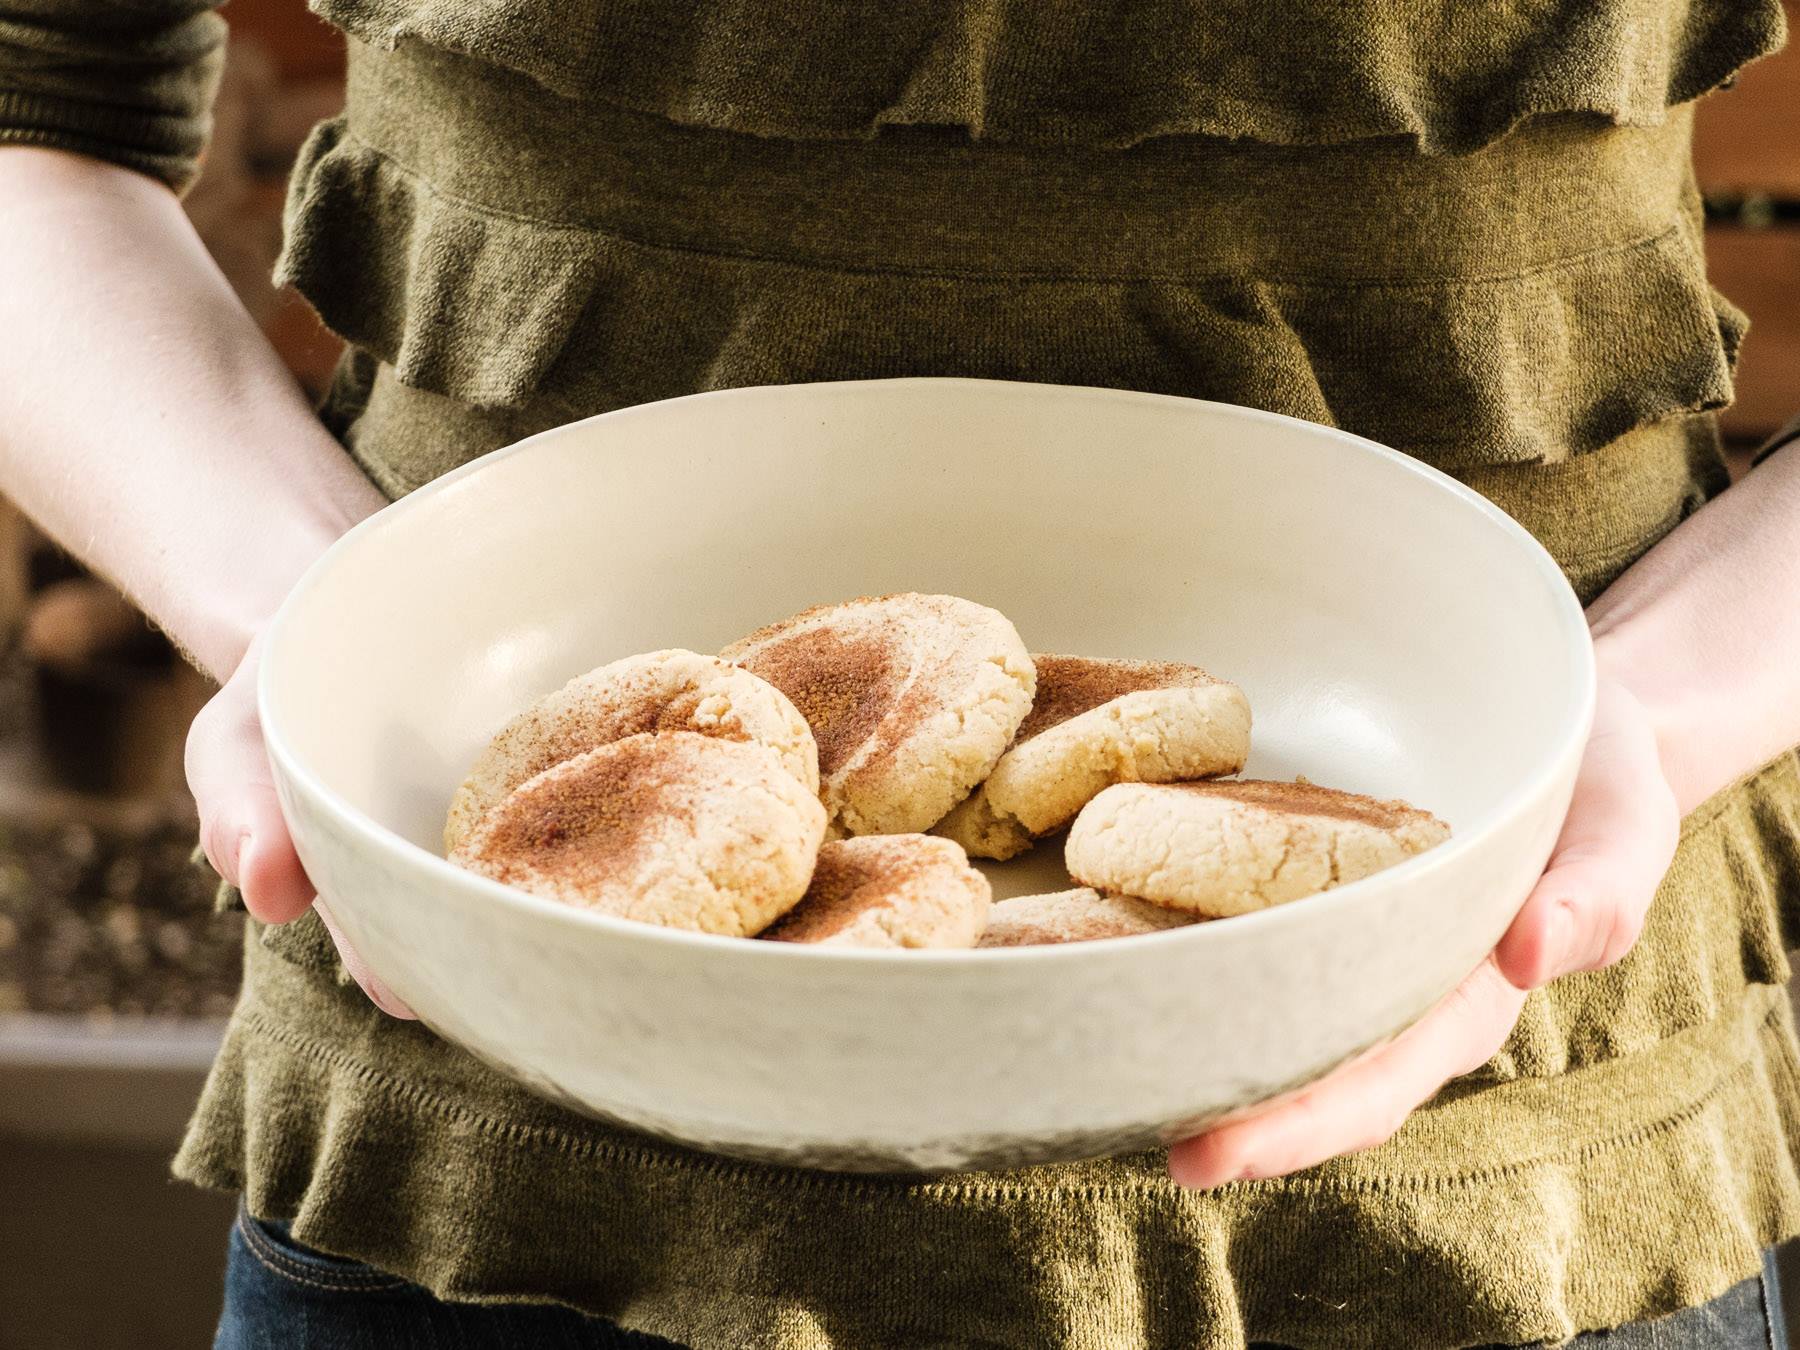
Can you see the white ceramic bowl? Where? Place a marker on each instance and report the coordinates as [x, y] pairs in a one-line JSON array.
[[1395, 633]]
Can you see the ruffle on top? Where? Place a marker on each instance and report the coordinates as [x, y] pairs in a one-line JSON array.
[[1518, 1217], [1525, 304], [1580, 1188], [1452, 77]]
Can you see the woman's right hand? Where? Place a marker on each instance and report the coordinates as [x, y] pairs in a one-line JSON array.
[[241, 826]]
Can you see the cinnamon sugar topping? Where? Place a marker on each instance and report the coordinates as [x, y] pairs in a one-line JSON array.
[[1080, 915], [1068, 686], [843, 686], [847, 883], [1309, 800], [588, 822], [911, 700], [902, 890], [649, 711]]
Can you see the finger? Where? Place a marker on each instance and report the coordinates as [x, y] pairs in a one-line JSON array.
[[243, 833], [379, 994], [1364, 1102], [1588, 908]]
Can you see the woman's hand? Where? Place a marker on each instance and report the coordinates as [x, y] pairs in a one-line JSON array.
[[1698, 647], [241, 826], [1585, 912]]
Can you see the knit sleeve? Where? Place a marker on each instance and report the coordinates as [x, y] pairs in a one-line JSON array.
[[128, 81]]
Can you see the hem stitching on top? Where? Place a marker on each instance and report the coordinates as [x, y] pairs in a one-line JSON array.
[[966, 1190]]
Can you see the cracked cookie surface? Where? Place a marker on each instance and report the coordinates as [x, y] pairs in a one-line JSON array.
[[1219, 849], [1095, 723], [665, 827], [889, 890], [1079, 915], [671, 690], [911, 698]]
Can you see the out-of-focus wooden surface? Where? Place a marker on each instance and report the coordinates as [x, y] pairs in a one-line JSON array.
[[1747, 138], [100, 1250], [1747, 158], [301, 44], [1759, 269], [283, 74]]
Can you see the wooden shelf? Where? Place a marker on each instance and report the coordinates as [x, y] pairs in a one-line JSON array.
[[1747, 146], [1759, 270], [1747, 138]]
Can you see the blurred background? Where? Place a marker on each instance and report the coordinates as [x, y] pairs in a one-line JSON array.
[[114, 973]]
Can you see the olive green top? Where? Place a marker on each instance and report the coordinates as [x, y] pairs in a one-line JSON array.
[[1468, 231]]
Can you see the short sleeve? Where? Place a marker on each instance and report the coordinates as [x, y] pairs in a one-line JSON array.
[[127, 81]]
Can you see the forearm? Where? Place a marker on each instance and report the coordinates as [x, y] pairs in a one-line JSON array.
[[144, 420], [1705, 630]]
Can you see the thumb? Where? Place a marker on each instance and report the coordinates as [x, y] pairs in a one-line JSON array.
[[1589, 906]]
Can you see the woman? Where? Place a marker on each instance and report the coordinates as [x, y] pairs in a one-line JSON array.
[[1474, 236]]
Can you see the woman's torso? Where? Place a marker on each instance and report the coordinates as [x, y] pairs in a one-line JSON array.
[[1474, 236]]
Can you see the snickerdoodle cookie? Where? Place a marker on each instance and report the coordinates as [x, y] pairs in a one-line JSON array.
[[659, 691], [912, 699], [890, 890], [1231, 847], [1080, 915], [667, 827], [1095, 723]]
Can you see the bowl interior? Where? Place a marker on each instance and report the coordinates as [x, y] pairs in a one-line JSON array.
[[1394, 633]]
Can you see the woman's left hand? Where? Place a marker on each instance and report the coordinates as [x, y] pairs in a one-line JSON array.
[[1585, 912]]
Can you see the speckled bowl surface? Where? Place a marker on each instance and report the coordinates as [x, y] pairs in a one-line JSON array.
[[1395, 634]]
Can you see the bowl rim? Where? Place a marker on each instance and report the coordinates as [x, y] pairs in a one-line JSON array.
[[1577, 718]]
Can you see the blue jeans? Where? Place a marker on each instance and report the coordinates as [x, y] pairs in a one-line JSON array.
[[280, 1295]]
